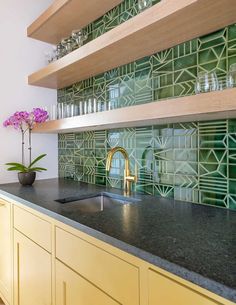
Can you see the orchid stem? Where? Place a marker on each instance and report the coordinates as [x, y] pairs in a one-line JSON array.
[[30, 146], [23, 146]]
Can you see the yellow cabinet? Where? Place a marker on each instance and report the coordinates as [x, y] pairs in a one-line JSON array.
[[72, 289], [32, 273], [51, 263], [5, 250], [166, 291], [118, 278]]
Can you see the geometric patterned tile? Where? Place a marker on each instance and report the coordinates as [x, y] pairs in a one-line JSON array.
[[193, 161]]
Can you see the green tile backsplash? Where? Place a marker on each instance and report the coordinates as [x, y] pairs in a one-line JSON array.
[[193, 161]]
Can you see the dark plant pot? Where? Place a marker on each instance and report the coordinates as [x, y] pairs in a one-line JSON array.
[[27, 178]]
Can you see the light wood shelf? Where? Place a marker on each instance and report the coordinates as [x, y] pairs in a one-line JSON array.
[[160, 27], [63, 16], [208, 106]]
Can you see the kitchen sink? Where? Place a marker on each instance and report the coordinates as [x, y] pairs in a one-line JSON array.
[[96, 202]]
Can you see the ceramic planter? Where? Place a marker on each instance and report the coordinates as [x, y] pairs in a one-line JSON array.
[[27, 178]]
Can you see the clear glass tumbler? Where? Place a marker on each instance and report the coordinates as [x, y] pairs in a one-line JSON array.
[[85, 107], [231, 77], [206, 82], [61, 113], [90, 105], [74, 110], [53, 112], [81, 108]]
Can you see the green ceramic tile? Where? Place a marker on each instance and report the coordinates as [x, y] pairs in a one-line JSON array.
[[213, 198], [193, 161], [232, 202], [232, 32]]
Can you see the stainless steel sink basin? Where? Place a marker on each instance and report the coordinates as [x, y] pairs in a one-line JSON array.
[[96, 202]]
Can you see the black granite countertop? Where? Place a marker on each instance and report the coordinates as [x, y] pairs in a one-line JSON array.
[[195, 242]]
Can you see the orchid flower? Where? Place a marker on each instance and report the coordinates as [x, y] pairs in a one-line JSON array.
[[23, 121]]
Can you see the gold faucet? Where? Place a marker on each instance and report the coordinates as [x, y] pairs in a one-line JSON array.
[[128, 178]]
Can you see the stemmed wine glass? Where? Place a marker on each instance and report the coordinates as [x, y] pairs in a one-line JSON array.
[[68, 44], [80, 36], [144, 4]]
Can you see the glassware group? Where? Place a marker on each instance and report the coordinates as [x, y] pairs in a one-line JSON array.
[[67, 45], [65, 110], [78, 37], [209, 81]]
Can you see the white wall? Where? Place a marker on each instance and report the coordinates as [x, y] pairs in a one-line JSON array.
[[20, 56]]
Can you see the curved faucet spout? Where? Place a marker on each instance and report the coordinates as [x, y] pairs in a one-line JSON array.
[[111, 154], [128, 178]]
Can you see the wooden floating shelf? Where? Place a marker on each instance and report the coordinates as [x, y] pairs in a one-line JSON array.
[[160, 27], [63, 16], [208, 106]]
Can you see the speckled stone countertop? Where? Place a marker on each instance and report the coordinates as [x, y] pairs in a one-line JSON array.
[[195, 242]]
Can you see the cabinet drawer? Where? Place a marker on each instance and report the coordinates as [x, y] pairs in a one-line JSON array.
[[32, 226], [114, 276], [166, 291]]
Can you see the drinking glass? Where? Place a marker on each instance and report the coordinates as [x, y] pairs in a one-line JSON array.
[[81, 108], [53, 112], [231, 77], [60, 51], [144, 4], [48, 57], [74, 110], [206, 82], [101, 106], [61, 111], [80, 36], [54, 53], [67, 111], [94, 104], [90, 105], [68, 44], [223, 84], [85, 107]]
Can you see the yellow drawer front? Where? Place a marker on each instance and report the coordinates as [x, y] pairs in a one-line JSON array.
[[32, 226], [165, 291], [72, 289], [114, 276]]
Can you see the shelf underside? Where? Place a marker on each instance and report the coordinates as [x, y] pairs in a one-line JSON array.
[[164, 25], [208, 106], [63, 16]]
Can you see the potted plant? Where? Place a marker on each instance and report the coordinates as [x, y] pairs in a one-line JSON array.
[[25, 121], [26, 174]]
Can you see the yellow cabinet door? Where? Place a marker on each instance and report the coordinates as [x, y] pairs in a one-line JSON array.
[[5, 250], [165, 291], [32, 273], [106, 271], [72, 289]]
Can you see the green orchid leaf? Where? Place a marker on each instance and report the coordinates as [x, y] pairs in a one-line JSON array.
[[36, 160], [14, 169], [37, 169], [19, 166]]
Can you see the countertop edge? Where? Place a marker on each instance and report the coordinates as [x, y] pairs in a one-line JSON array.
[[193, 277]]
